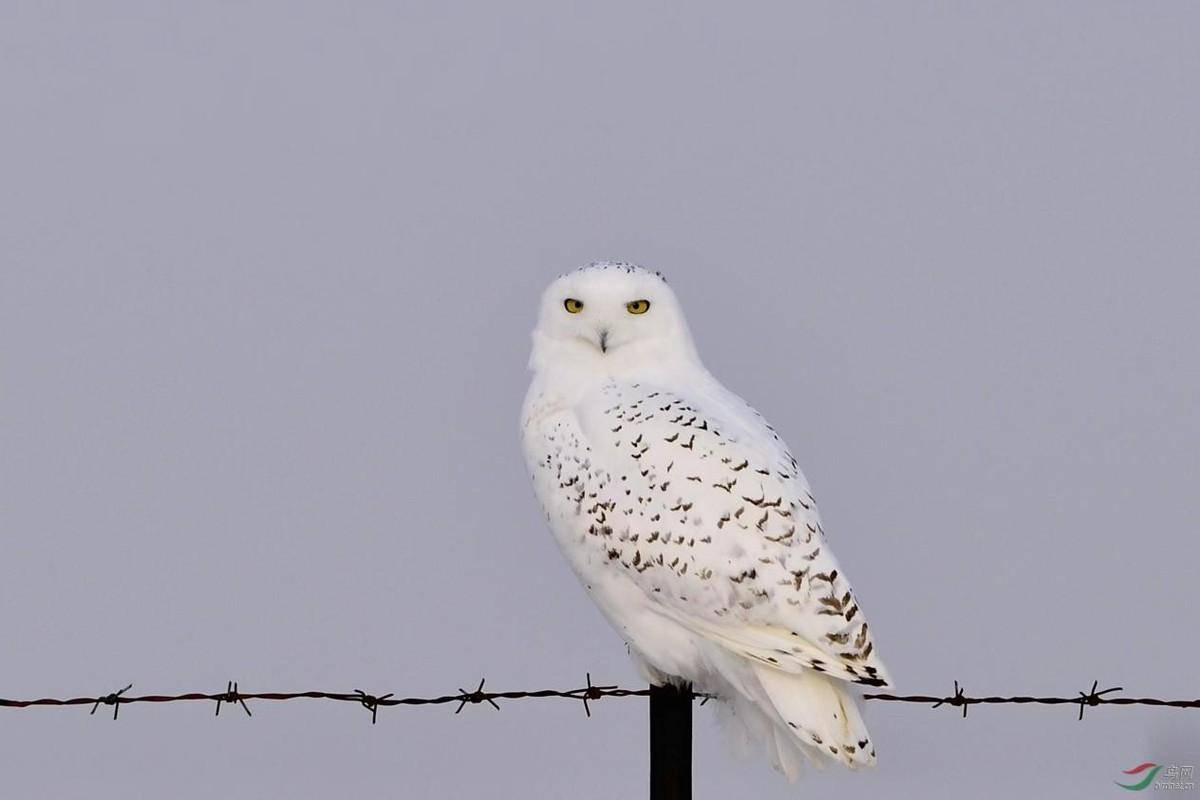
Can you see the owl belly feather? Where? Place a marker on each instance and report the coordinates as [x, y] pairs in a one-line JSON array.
[[575, 493]]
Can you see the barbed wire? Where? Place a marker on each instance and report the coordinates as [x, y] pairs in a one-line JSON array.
[[585, 694], [1083, 699]]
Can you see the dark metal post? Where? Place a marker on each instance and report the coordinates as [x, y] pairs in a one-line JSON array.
[[671, 743]]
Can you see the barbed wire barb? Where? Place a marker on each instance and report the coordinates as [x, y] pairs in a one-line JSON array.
[[959, 699], [113, 700], [593, 693], [371, 703], [477, 696], [1093, 698], [231, 696]]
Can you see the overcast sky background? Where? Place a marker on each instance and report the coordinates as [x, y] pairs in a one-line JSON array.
[[267, 273]]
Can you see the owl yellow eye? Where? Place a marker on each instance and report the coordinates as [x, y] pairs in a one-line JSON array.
[[637, 306], [572, 305]]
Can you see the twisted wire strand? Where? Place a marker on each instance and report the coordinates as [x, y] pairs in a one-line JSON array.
[[585, 694]]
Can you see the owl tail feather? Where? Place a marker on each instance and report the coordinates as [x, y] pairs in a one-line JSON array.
[[817, 712]]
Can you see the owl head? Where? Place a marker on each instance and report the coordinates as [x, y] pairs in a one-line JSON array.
[[613, 317]]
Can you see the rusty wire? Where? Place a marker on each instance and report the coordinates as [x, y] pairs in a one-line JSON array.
[[584, 694]]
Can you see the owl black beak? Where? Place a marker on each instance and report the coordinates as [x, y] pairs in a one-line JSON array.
[[604, 341]]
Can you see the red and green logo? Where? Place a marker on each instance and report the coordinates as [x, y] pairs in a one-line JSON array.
[[1149, 767]]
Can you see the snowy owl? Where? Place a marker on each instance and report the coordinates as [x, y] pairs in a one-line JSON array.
[[688, 521]]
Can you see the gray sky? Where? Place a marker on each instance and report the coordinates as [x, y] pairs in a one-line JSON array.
[[267, 272]]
